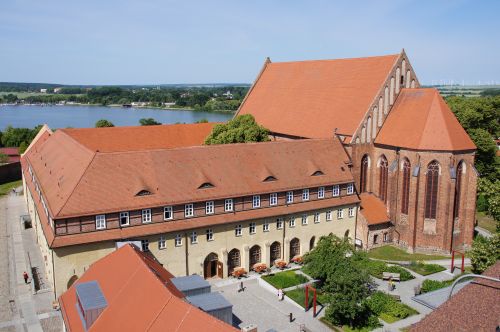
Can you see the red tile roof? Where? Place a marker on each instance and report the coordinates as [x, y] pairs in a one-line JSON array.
[[76, 181], [12, 154], [140, 297], [420, 119], [311, 98], [373, 209], [140, 138], [476, 307]]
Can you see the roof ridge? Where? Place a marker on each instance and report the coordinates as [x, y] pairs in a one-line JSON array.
[[341, 59], [266, 62]]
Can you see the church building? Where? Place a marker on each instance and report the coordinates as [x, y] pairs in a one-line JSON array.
[[412, 161]]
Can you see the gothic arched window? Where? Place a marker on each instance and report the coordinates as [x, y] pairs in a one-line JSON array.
[[384, 172], [458, 190], [364, 173], [431, 190], [405, 194]]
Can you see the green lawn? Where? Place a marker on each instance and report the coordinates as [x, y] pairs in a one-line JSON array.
[[425, 269], [7, 187], [299, 296], [395, 254], [486, 222], [285, 279], [377, 269]]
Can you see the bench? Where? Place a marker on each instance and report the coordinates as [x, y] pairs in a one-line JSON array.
[[390, 275]]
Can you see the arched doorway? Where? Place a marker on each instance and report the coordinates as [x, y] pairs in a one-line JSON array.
[[71, 281], [312, 242], [255, 256], [294, 247], [363, 174], [233, 260], [275, 252], [211, 266]]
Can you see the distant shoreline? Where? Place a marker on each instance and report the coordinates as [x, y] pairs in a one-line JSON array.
[[190, 109]]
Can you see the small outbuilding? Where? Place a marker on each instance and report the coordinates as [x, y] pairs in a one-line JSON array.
[[191, 285], [213, 304]]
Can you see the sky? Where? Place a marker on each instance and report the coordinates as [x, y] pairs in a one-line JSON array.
[[163, 42]]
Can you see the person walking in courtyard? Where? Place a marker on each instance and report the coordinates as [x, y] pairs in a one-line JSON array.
[[25, 277], [280, 294]]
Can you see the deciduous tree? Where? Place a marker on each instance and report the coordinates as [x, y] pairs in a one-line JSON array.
[[240, 129]]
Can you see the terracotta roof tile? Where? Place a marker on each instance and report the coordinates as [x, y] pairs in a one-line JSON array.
[[373, 209], [420, 119], [137, 298], [77, 181], [476, 307], [312, 98], [139, 138]]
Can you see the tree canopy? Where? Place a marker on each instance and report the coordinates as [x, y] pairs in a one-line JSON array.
[[485, 252], [241, 129], [346, 283], [103, 123], [149, 122], [14, 137]]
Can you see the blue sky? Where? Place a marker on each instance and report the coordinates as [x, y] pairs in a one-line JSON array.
[[153, 42]]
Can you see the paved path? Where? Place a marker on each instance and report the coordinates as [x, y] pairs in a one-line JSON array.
[[483, 232], [25, 309], [259, 305]]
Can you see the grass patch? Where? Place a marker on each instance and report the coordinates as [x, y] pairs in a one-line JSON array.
[[7, 187], [388, 309], [345, 328], [299, 296], [377, 268], [425, 269], [285, 279], [395, 254], [432, 285], [486, 222]]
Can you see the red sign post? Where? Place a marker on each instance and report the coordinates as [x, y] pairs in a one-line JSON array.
[[307, 299]]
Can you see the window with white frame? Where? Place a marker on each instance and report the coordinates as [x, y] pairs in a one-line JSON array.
[[145, 245], [228, 205], [316, 217], [336, 190], [305, 194], [210, 234], [289, 197], [146, 216], [209, 207], [321, 192], [100, 221], [178, 240], [265, 226], [237, 230], [273, 199], [304, 219], [279, 223], [256, 201], [194, 237], [188, 210], [351, 212], [252, 227], [350, 188], [340, 213], [124, 219], [291, 223], [162, 242], [329, 215], [168, 213]]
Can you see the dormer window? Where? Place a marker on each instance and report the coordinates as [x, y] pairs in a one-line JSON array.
[[318, 173], [206, 185], [270, 178], [143, 192]]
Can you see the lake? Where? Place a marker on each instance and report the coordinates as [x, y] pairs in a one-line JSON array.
[[86, 116]]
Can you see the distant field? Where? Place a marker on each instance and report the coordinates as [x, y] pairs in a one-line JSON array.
[[22, 95], [466, 90]]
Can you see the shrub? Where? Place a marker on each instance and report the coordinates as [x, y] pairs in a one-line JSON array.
[[425, 269], [383, 304], [432, 285]]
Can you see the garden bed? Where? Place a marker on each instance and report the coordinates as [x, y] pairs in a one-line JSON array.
[[391, 253], [389, 309], [285, 279], [377, 268], [425, 269]]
